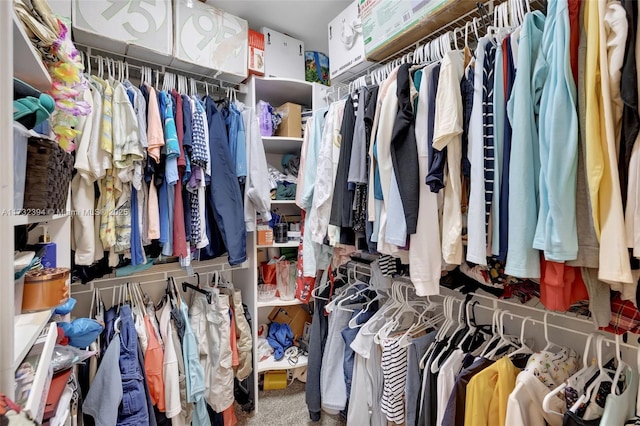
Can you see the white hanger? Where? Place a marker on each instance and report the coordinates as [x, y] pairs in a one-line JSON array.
[[524, 349], [549, 344], [546, 402]]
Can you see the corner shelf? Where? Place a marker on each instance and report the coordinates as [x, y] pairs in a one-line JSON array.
[[283, 364], [27, 64], [27, 330], [278, 91], [280, 245], [281, 145], [277, 302]]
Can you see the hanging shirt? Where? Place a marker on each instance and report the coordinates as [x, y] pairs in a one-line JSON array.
[[224, 195], [613, 31], [509, 77], [179, 231], [328, 156], [437, 158], [487, 126], [155, 137], [488, 393], [447, 133], [404, 155], [556, 231], [476, 228], [425, 250], [523, 108]]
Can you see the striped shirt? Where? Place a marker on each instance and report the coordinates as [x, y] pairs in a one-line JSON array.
[[394, 371], [487, 107]]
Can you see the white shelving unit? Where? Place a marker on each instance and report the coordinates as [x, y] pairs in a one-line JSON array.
[[281, 145], [279, 245], [276, 91], [28, 66], [19, 332], [23, 219], [277, 302], [284, 364]]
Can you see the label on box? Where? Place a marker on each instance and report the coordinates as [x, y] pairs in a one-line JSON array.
[[141, 22], [383, 20], [256, 52]]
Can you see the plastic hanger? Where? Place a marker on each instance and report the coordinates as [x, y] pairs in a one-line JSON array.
[[557, 392], [524, 349], [549, 344]]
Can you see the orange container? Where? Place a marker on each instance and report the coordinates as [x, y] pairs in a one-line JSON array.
[[265, 235], [45, 289]]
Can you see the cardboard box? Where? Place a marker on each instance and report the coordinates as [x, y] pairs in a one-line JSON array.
[[283, 55], [296, 316], [291, 126], [137, 28], [211, 38], [346, 44], [389, 26], [256, 53]]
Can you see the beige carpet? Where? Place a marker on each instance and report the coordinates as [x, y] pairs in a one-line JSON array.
[[285, 407]]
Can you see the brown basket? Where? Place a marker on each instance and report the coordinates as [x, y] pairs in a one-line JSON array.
[[49, 169]]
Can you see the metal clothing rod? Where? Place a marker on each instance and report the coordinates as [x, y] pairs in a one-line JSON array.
[[137, 64], [607, 340]]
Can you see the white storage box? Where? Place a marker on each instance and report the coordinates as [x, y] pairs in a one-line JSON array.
[[283, 55], [137, 28], [211, 38], [346, 44]]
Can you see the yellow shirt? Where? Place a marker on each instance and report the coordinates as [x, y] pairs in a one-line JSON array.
[[594, 155], [488, 393]]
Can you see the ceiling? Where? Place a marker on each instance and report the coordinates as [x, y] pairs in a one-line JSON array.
[[305, 20]]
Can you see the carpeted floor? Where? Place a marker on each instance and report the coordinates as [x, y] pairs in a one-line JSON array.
[[285, 407]]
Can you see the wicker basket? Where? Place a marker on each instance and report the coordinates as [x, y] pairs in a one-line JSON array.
[[49, 170]]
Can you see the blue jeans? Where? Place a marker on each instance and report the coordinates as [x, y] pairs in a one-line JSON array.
[[133, 410]]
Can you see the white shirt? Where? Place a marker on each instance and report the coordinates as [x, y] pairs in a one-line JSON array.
[[447, 133], [425, 251], [170, 370]]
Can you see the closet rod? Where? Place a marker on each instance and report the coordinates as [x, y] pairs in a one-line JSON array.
[[138, 63], [576, 317], [608, 341]]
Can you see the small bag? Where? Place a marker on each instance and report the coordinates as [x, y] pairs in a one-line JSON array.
[[269, 272]]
